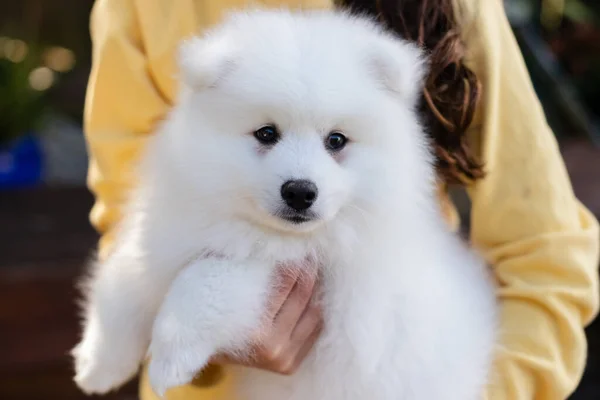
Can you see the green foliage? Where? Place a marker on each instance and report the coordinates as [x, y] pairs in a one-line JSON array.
[[21, 106]]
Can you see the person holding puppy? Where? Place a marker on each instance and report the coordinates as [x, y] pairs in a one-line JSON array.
[[490, 135]]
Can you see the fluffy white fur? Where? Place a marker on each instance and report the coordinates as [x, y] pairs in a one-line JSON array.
[[409, 311]]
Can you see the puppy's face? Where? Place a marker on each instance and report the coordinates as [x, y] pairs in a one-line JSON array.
[[291, 132], [301, 174]]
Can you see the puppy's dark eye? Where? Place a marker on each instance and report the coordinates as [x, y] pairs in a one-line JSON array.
[[335, 141], [267, 135]]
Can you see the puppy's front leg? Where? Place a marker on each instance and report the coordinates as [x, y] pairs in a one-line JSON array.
[[122, 300], [213, 305]]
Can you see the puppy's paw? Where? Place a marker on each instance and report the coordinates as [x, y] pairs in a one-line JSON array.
[[100, 369], [171, 371], [175, 359]]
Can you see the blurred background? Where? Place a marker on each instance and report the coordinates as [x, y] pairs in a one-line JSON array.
[[45, 236]]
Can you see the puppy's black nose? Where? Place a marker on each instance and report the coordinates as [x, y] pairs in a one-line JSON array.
[[299, 194]]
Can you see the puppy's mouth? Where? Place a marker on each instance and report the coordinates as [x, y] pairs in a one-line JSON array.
[[297, 217]]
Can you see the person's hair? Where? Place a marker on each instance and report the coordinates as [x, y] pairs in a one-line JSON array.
[[451, 90]]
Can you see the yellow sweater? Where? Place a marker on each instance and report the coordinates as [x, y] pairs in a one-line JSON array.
[[542, 243]]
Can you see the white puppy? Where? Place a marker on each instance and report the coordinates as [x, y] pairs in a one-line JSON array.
[[294, 136]]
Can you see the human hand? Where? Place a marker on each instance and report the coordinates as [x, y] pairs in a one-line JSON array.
[[294, 322]]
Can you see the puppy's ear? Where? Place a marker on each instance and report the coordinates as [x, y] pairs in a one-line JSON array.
[[401, 67], [204, 61]]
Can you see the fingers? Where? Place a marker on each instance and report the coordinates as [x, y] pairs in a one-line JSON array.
[[296, 328], [310, 320], [296, 321], [306, 346], [294, 306], [287, 281]]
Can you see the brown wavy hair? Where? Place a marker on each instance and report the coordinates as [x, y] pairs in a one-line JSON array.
[[451, 90]]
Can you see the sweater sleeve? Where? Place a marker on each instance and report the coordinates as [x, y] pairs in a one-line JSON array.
[[122, 105], [542, 243]]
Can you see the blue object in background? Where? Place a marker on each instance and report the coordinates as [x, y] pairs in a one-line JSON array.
[[21, 163]]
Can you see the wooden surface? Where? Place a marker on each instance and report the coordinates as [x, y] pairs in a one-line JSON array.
[[45, 239]]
